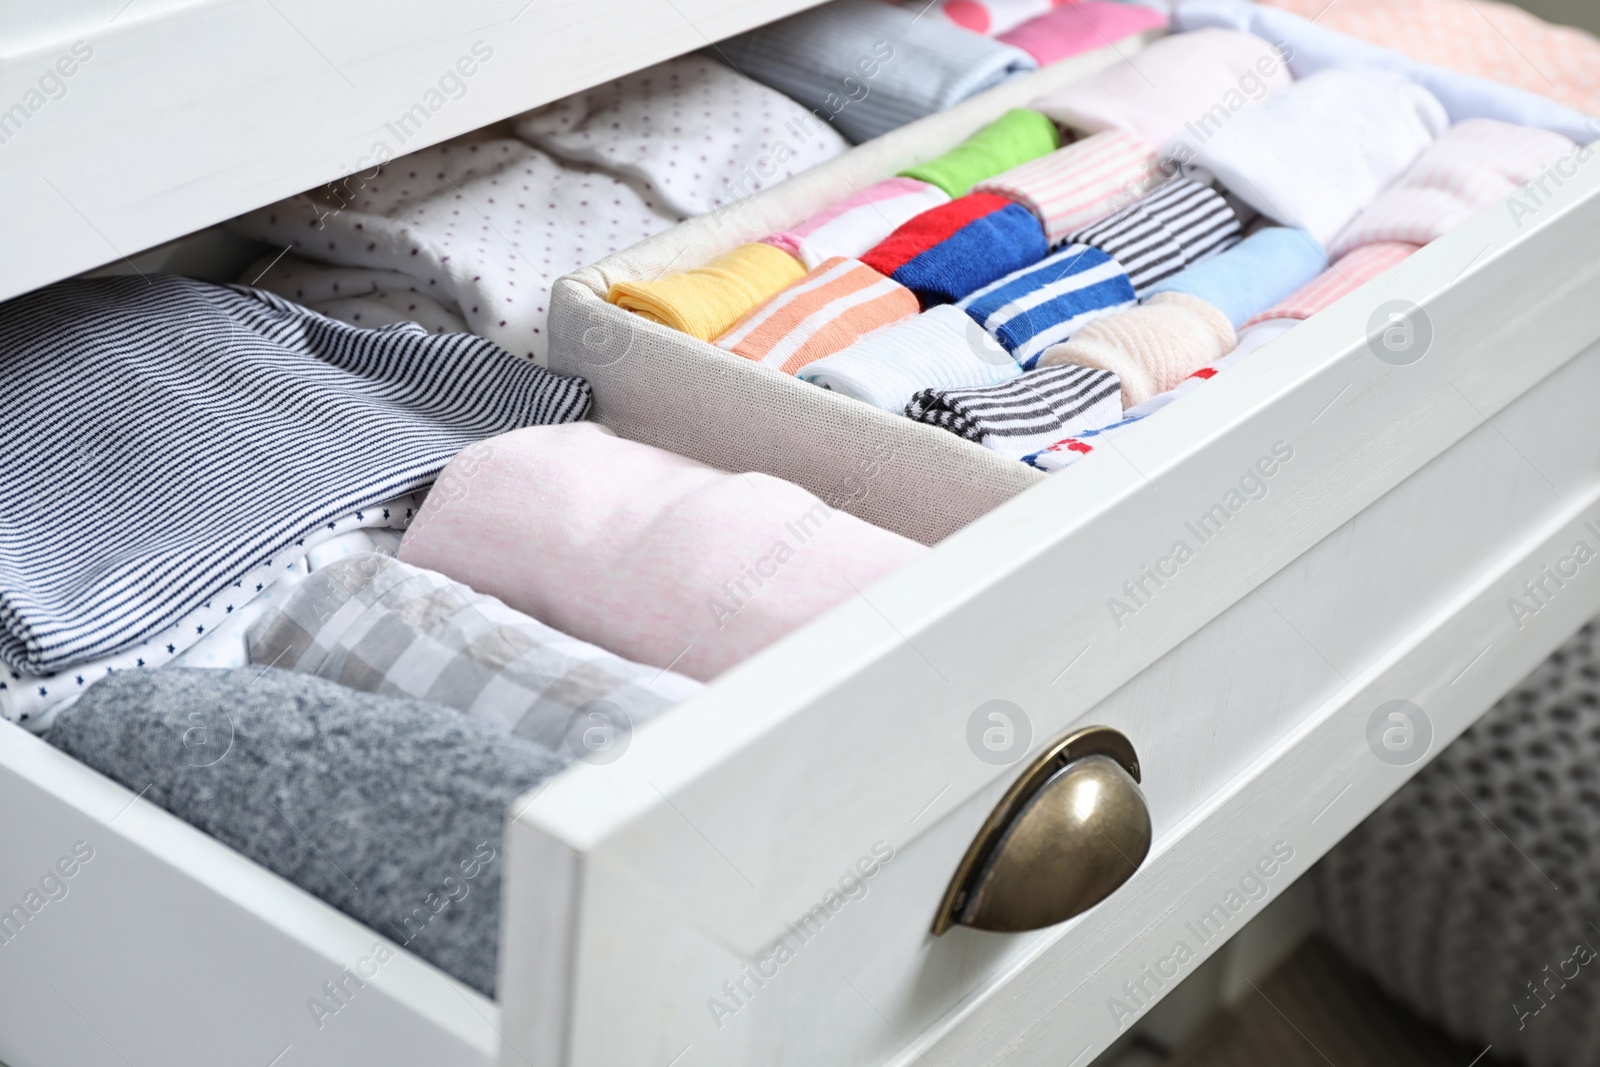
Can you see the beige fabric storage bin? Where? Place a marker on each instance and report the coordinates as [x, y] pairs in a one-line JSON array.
[[656, 385]]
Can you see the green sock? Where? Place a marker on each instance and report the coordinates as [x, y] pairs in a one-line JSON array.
[[1009, 141]]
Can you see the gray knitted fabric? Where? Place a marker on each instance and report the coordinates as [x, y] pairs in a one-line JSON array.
[[389, 809], [1486, 920]]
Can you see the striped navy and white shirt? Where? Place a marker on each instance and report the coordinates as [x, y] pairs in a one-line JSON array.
[[162, 437]]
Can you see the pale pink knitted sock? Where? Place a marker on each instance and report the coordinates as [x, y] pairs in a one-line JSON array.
[[1151, 348]]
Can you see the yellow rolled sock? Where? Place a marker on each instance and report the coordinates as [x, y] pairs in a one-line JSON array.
[[706, 301], [1150, 348]]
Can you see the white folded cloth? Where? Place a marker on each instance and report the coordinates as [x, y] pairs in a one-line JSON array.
[[856, 223], [942, 348], [1314, 156]]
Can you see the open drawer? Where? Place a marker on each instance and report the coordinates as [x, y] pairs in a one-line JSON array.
[[755, 880]]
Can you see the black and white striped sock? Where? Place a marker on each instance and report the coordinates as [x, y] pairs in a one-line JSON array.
[[1026, 414], [1159, 235]]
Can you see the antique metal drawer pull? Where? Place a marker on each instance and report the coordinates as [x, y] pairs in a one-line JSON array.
[[1067, 833]]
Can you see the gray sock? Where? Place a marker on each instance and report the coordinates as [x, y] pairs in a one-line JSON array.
[[391, 810]]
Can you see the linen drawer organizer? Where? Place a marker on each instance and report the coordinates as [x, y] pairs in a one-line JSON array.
[[643, 900]]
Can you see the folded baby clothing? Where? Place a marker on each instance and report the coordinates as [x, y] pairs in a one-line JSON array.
[[1314, 156], [1205, 77], [443, 218], [1026, 414], [1476, 163], [486, 224], [1081, 183], [1074, 28], [1312, 47], [382, 626], [1042, 305], [869, 67], [950, 251], [227, 425], [360, 296], [1349, 272], [1483, 37], [689, 133], [1150, 348], [941, 348], [1180, 223], [706, 301], [1254, 274], [1258, 333], [824, 312], [656, 557], [858, 222], [212, 633], [989, 17], [1012, 139], [390, 810]]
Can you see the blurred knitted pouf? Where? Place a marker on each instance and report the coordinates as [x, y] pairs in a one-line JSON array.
[[1473, 894]]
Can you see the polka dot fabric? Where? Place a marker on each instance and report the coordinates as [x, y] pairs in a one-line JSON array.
[[691, 133], [1483, 37], [361, 297], [484, 224], [1481, 872]]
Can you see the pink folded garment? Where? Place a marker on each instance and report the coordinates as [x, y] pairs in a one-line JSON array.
[[1204, 77], [989, 17], [1476, 163], [1073, 29], [856, 223], [653, 556], [1349, 273], [1081, 183]]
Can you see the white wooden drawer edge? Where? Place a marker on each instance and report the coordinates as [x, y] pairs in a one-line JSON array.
[[166, 934]]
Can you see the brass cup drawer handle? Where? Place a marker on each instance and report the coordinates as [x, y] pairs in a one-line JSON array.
[[1067, 833]]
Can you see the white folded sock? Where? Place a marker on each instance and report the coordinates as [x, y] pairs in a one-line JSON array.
[[1314, 156], [942, 348], [856, 223]]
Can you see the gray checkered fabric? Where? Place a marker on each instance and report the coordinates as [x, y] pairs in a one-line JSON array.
[[379, 625]]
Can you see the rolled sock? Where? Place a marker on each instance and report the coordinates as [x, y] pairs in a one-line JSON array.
[[1075, 28], [1312, 47], [706, 301], [1154, 238], [827, 310], [1038, 306], [1349, 273], [1152, 347], [1014, 138], [1476, 163], [1253, 275], [661, 559], [1313, 157], [940, 348], [951, 251], [1492, 40], [685, 132], [988, 17], [855, 224], [364, 801], [220, 426], [1081, 183], [1201, 77], [382, 626], [902, 67], [1027, 413]]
